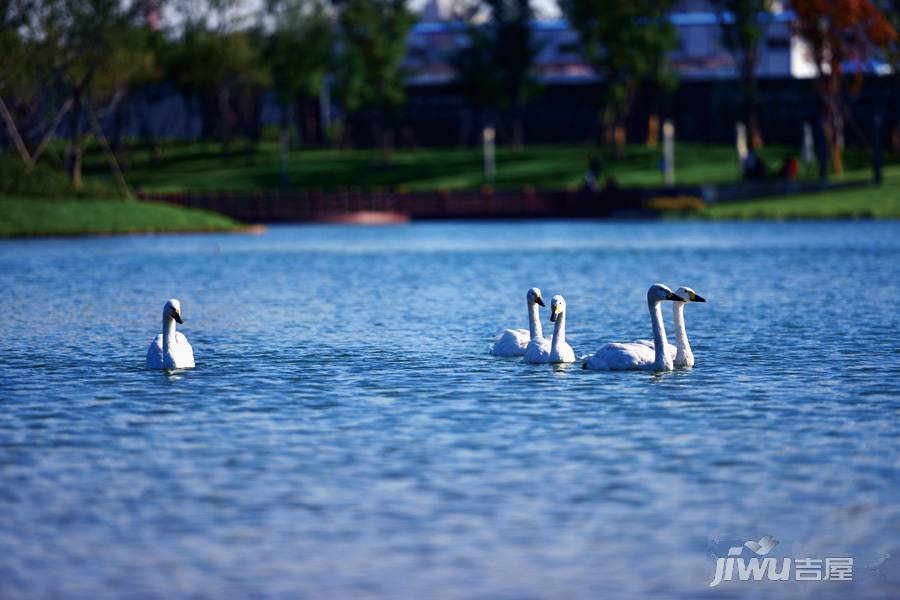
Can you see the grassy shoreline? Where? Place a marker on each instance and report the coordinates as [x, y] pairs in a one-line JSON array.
[[873, 202], [29, 217], [28, 210]]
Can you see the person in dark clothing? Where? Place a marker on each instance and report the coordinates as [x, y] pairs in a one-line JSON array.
[[592, 175], [753, 167]]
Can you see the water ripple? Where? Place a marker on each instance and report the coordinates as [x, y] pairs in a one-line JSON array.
[[346, 434]]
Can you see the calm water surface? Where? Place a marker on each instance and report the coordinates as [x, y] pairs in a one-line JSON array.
[[346, 434]]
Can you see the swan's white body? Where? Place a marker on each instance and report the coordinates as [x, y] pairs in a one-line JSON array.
[[681, 353], [170, 349], [538, 351], [513, 342], [557, 350], [639, 355], [671, 348]]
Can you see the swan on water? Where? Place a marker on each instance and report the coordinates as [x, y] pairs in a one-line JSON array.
[[681, 353], [512, 342], [170, 349], [637, 355], [557, 350]]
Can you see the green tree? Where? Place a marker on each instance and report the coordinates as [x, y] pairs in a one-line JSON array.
[[372, 46], [217, 68], [741, 22], [838, 32], [91, 52], [515, 53], [298, 55], [495, 69], [626, 43], [16, 78], [477, 77], [131, 62], [31, 34]]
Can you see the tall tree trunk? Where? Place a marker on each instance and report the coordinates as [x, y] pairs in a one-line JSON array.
[[48, 135], [76, 142], [748, 73], [118, 125], [344, 133], [387, 144], [300, 109], [621, 139], [609, 127], [834, 132], [614, 132], [518, 130], [385, 132], [121, 184], [13, 133], [616, 117], [286, 111], [834, 123], [597, 130], [224, 118], [312, 124], [653, 130]]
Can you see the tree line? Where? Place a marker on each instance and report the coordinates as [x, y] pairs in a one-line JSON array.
[[69, 64]]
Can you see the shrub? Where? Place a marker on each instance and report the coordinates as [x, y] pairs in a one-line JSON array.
[[44, 182]]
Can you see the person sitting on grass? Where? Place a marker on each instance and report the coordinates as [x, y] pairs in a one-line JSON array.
[[789, 168], [592, 175], [753, 168]]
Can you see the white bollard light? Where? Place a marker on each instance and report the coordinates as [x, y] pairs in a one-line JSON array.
[[669, 152], [487, 137]]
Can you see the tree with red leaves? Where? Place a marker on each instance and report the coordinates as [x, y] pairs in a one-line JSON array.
[[839, 32]]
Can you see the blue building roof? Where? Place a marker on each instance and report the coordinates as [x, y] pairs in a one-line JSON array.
[[676, 18]]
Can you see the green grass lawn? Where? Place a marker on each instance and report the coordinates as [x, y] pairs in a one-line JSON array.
[[24, 217], [875, 202], [202, 166]]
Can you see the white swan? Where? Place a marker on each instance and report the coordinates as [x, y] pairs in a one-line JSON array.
[[170, 349], [637, 355], [681, 351], [512, 342], [557, 350], [684, 357]]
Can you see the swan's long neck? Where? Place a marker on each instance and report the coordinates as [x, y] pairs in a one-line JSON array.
[[534, 321], [684, 356], [168, 326], [661, 362], [559, 334]]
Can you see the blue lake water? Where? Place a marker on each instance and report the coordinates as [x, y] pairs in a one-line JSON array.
[[346, 434]]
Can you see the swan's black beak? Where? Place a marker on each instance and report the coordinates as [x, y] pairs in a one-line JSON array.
[[673, 297], [539, 301], [553, 315], [177, 318], [698, 298]]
